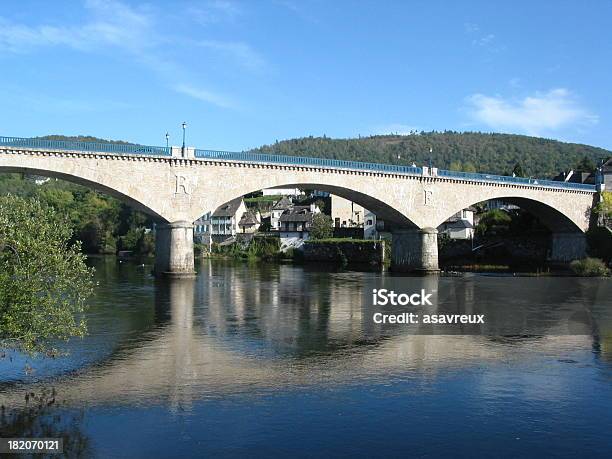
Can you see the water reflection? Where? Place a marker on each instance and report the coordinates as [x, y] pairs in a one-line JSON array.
[[238, 328]]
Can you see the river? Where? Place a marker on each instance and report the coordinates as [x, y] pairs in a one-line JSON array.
[[273, 359]]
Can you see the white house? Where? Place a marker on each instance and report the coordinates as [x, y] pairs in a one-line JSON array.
[[222, 224], [295, 224], [249, 222], [460, 225], [369, 225], [347, 214], [201, 229], [282, 191], [277, 210]]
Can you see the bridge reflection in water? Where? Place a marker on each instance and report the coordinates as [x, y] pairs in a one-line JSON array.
[[241, 329]]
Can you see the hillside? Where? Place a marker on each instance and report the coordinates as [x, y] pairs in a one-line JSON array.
[[470, 151], [82, 138]]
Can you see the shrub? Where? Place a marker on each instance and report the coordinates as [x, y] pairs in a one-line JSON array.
[[44, 281], [593, 267], [321, 227]]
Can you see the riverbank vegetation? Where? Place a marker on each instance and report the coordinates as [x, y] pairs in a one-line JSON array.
[[591, 267], [44, 281], [103, 224], [257, 248]]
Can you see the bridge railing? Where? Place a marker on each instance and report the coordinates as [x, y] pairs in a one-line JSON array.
[[306, 161], [356, 165], [514, 180], [73, 145], [122, 148]]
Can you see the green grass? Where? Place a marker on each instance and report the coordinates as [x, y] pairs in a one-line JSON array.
[[258, 199]]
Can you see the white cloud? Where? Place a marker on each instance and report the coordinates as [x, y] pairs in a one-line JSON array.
[[112, 24], [205, 95], [534, 115], [485, 40], [240, 52], [471, 27], [138, 32], [214, 11]]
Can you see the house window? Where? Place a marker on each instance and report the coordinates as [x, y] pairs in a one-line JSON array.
[[369, 222]]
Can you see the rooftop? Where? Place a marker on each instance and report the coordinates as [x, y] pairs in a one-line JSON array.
[[228, 209], [249, 218], [297, 214], [282, 204]]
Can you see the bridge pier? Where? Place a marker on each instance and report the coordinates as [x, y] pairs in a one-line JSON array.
[[566, 247], [174, 249], [415, 250]]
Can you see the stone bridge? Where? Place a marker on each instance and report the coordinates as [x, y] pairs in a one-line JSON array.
[[178, 185]]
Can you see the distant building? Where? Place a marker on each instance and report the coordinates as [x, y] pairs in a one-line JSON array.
[[500, 204], [282, 191], [369, 225], [277, 210], [250, 222], [573, 176], [201, 230], [224, 221], [460, 225], [320, 194], [606, 170], [222, 224], [347, 214], [295, 224]]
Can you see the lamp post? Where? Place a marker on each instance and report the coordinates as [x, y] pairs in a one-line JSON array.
[[184, 127], [167, 140]]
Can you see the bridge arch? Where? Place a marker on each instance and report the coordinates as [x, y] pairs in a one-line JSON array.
[[546, 210], [126, 196], [383, 210]]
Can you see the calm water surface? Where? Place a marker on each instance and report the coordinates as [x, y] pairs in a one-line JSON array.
[[252, 360]]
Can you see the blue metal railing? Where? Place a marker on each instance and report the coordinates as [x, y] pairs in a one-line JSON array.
[[121, 148], [73, 145], [514, 180], [306, 161], [377, 167]]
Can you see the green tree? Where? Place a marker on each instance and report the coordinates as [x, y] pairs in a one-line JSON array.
[[44, 282], [605, 206], [586, 164], [495, 221], [456, 166], [321, 227], [320, 204]]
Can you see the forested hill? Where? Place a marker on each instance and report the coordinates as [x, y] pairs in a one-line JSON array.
[[470, 151]]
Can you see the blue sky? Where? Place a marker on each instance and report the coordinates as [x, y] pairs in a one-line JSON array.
[[243, 74]]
